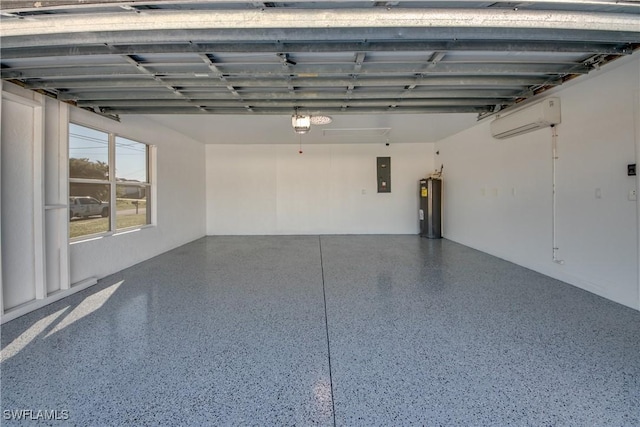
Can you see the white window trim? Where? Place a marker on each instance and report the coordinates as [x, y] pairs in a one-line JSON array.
[[150, 185]]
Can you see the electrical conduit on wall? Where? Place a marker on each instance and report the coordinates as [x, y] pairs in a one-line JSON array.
[[637, 141], [554, 156]]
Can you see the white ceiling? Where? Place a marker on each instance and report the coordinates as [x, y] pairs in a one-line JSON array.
[[268, 129]]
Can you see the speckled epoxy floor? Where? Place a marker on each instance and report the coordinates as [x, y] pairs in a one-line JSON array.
[[344, 330]]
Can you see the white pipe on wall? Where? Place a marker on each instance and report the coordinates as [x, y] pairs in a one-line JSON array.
[[637, 138], [554, 155]]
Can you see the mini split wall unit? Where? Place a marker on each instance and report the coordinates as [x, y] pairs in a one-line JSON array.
[[527, 119]]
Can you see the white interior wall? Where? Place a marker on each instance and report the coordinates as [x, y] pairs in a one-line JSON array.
[[36, 254], [19, 144], [498, 193], [329, 189], [179, 198]]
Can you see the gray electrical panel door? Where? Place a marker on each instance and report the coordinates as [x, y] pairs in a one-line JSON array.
[[431, 208], [384, 174]]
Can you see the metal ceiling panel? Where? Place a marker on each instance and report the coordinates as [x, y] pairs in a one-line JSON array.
[[330, 57]]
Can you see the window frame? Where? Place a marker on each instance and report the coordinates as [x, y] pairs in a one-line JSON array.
[[113, 183]]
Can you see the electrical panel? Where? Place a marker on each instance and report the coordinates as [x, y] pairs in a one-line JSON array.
[[384, 174]]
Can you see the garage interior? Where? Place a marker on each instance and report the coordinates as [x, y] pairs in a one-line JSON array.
[[272, 281]]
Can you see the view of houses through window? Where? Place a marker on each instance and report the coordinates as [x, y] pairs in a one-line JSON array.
[[109, 184]]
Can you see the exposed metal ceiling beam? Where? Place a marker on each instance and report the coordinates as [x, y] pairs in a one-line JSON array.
[[324, 19], [359, 60], [203, 103], [320, 35], [614, 48], [52, 5], [435, 58], [212, 66], [451, 94], [261, 70], [312, 82], [141, 68], [217, 73], [287, 111]]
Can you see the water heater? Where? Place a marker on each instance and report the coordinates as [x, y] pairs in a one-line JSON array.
[[430, 212]]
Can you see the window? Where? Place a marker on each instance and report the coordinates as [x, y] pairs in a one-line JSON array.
[[132, 183], [109, 185]]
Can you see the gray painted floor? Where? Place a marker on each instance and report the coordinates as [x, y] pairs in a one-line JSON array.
[[344, 330]]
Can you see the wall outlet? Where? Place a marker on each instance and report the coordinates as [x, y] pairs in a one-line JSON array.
[[633, 195]]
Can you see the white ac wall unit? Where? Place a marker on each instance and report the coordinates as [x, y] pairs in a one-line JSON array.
[[531, 117]]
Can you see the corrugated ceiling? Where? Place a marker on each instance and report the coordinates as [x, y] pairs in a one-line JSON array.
[[320, 57]]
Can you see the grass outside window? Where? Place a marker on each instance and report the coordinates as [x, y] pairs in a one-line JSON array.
[[95, 225]]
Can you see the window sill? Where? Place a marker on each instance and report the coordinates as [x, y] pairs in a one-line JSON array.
[[119, 232], [130, 230]]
